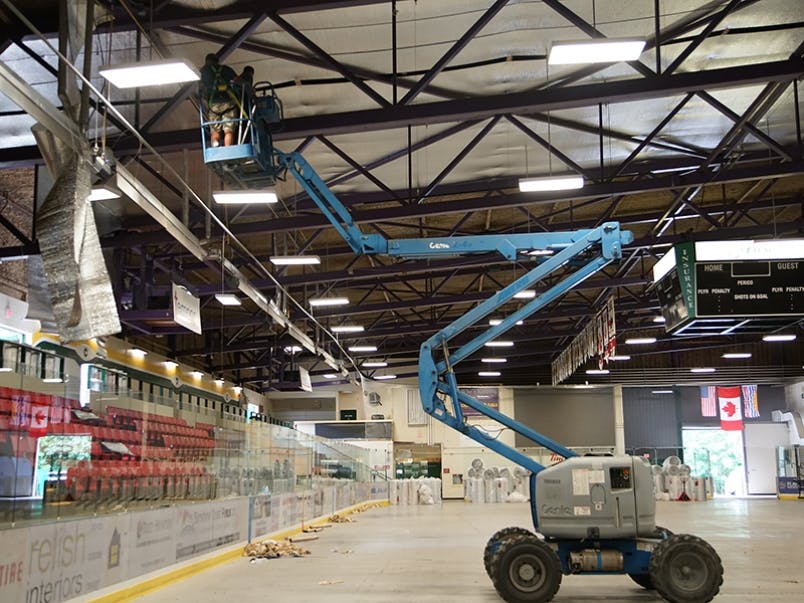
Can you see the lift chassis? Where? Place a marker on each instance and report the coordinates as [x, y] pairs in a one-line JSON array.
[[591, 515]]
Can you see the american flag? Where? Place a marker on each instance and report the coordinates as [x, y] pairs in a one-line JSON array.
[[708, 401], [750, 401]]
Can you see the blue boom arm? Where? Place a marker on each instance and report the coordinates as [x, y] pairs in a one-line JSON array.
[[581, 253], [587, 251]]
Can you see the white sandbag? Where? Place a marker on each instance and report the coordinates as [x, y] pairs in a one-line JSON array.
[[515, 497], [425, 495], [489, 490], [674, 486], [671, 461], [393, 491], [476, 490], [500, 489], [699, 484]]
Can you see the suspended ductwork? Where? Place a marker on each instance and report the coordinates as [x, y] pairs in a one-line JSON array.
[[77, 280]]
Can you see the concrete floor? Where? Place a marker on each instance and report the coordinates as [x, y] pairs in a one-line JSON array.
[[434, 554]]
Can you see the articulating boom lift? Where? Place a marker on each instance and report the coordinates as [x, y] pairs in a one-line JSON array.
[[590, 514]]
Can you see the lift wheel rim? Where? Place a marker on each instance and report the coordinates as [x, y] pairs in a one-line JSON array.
[[690, 571], [528, 573]]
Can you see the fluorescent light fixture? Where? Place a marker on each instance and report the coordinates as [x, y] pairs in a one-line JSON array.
[[525, 294], [237, 389], [170, 364], [736, 355], [496, 321], [362, 348], [662, 391], [228, 299], [219, 381], [702, 370], [102, 193], [779, 338], [499, 344], [620, 357], [597, 371], [137, 352], [292, 349], [196, 374], [494, 360], [374, 364], [538, 252], [385, 377], [659, 319], [640, 340], [52, 380], [348, 329], [774, 249], [330, 376], [321, 302], [150, 73], [550, 183], [594, 51], [665, 264], [488, 374], [295, 260], [247, 197]]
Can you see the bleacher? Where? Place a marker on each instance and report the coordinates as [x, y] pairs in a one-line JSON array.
[[134, 455]]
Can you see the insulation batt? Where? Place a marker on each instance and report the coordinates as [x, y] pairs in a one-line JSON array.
[[77, 280]]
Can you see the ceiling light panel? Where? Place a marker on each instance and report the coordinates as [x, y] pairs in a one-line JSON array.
[[321, 302], [295, 260], [228, 299], [150, 73], [247, 197], [550, 183], [594, 51]]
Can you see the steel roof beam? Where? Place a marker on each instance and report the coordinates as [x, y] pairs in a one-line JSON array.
[[457, 159], [372, 120], [456, 48], [333, 64]]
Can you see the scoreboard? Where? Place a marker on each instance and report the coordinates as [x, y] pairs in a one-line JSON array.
[[713, 286]]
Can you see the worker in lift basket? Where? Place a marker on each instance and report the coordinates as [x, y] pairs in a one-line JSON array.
[[221, 103]]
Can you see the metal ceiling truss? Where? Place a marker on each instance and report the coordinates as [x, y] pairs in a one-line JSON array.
[[419, 296]]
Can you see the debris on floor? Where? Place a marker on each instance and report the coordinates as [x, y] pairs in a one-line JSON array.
[[271, 549], [328, 582], [338, 518], [344, 552]]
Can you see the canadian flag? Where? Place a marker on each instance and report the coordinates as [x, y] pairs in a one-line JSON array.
[[39, 420], [731, 415]]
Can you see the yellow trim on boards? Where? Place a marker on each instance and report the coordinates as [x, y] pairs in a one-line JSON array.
[[134, 591]]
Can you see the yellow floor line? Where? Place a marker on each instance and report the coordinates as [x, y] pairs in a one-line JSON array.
[[169, 577]]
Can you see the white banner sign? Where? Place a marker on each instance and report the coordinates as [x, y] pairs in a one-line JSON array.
[[66, 560], [205, 527], [186, 309], [152, 541]]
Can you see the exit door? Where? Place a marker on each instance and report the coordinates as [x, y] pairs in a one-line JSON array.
[[761, 441]]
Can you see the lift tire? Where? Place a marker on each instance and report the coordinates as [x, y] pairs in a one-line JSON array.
[[686, 569], [526, 570], [644, 580], [496, 539]]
